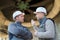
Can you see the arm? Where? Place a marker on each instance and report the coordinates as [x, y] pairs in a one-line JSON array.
[[49, 31], [35, 28], [24, 32], [12, 29]]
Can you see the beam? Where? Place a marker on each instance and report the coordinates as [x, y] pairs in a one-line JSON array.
[[54, 10]]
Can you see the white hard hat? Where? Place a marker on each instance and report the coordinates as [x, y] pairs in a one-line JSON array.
[[41, 9], [16, 13]]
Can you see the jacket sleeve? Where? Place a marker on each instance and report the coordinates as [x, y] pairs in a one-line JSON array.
[[50, 32], [24, 32], [12, 29]]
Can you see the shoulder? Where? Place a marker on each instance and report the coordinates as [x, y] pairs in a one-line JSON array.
[[11, 23], [11, 26], [49, 21]]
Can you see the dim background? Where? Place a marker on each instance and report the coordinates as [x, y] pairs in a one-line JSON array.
[[7, 7]]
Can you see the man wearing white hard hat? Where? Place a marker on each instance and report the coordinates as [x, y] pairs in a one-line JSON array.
[[46, 29], [16, 30]]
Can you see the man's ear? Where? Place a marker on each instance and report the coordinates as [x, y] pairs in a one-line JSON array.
[[16, 18]]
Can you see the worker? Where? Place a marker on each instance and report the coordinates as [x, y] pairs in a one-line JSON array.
[[16, 30], [46, 29]]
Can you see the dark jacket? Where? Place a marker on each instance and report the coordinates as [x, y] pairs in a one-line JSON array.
[[18, 32]]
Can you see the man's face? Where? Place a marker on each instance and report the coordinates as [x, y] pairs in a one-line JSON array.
[[20, 18], [39, 15]]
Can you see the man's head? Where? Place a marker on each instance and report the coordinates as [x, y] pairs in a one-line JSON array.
[[18, 16], [40, 12]]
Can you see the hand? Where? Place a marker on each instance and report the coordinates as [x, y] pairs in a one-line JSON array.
[[32, 22], [35, 33]]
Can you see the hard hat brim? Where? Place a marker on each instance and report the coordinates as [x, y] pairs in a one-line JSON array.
[[37, 12], [34, 12]]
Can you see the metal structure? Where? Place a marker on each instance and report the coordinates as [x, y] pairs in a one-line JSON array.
[[7, 7]]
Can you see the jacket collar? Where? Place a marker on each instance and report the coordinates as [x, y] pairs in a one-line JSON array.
[[18, 23], [42, 21]]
